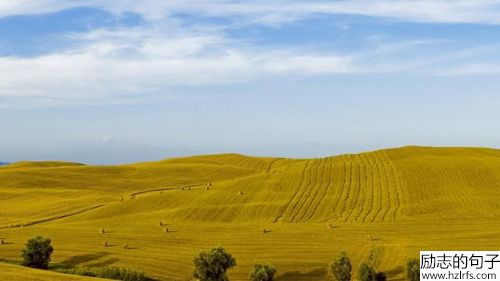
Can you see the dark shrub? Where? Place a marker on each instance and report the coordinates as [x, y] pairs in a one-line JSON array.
[[366, 272], [37, 253], [341, 268], [413, 270], [262, 272], [380, 276], [115, 273], [212, 266]]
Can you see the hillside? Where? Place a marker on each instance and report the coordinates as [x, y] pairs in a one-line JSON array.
[[395, 201], [41, 164], [14, 272]]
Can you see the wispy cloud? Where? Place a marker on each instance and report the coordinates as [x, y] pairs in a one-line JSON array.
[[107, 138], [442, 11], [133, 65], [109, 71], [130, 64]]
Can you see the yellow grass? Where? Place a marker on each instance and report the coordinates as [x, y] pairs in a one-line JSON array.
[[14, 272], [386, 205]]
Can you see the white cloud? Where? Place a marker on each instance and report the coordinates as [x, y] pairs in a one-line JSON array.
[[107, 138], [100, 73], [130, 65], [139, 64], [33, 7], [272, 12]]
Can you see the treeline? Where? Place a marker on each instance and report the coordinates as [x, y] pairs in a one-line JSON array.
[[341, 270], [213, 265], [209, 266]]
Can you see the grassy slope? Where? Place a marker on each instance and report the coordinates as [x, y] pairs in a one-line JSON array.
[[14, 272], [386, 204], [41, 164]]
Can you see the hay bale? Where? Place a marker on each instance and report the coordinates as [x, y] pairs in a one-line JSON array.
[[161, 223], [263, 230], [166, 229], [125, 246], [369, 238], [240, 193], [105, 244], [2, 242], [102, 230]]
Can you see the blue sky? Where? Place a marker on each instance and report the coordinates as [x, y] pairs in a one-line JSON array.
[[121, 81]]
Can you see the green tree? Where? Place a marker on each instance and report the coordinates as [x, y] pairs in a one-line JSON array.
[[262, 272], [341, 268], [413, 270], [37, 253], [366, 272], [212, 265]]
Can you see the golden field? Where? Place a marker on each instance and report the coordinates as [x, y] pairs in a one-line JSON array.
[[384, 206], [13, 272]]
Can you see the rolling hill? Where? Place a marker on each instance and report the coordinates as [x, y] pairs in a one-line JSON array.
[[14, 272], [383, 205]]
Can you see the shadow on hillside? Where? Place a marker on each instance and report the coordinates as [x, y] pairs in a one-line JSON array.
[[105, 263], [79, 259], [316, 274], [396, 274]]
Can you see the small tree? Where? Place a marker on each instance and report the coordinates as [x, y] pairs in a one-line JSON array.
[[37, 253], [212, 266], [413, 270], [341, 268], [366, 273], [262, 272]]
